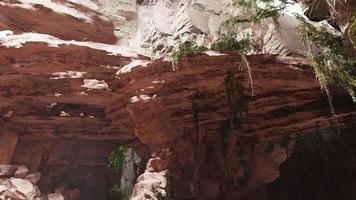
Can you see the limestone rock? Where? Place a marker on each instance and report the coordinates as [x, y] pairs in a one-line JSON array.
[[21, 172], [7, 170], [33, 177], [150, 182], [17, 187], [55, 196], [22, 189], [4, 185]]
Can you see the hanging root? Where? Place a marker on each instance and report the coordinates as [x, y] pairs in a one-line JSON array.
[[246, 65], [332, 110]]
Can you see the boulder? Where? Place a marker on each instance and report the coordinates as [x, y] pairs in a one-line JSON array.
[[7, 170], [21, 172], [55, 196], [23, 186], [33, 177], [16, 183]]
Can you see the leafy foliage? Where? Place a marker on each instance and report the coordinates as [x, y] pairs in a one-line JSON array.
[[116, 193], [160, 195], [262, 9], [352, 32], [331, 66], [318, 36], [228, 42], [185, 50], [117, 158]]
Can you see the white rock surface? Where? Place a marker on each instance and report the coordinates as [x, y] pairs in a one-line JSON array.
[[22, 185], [19, 186], [155, 27], [149, 182], [21, 172], [55, 196], [94, 84], [8, 170], [33, 177]]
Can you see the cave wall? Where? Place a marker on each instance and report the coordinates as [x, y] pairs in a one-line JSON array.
[[322, 166], [65, 130]]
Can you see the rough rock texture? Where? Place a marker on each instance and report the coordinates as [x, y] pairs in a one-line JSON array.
[[64, 108], [130, 170], [41, 19], [154, 180], [16, 182], [297, 106], [151, 27], [68, 148], [159, 26], [340, 14]]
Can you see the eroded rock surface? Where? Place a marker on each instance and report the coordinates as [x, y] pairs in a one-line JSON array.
[[15, 183], [69, 96]]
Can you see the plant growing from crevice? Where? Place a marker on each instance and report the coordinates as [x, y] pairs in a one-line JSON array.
[[117, 193], [352, 31], [331, 65], [184, 50], [229, 42], [116, 159], [160, 195], [259, 10]]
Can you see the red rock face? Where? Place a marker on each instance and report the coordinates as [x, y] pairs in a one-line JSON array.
[[43, 20], [287, 101], [55, 125]]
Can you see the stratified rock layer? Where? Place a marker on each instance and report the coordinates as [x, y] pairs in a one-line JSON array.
[[150, 106], [64, 108]]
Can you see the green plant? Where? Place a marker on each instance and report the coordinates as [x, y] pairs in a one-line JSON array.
[[117, 158], [117, 193], [229, 42], [160, 195], [260, 9], [352, 32], [183, 51], [331, 66]]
